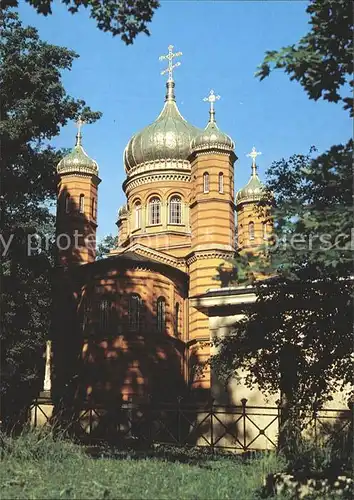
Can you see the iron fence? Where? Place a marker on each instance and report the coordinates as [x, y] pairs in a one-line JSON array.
[[234, 427]]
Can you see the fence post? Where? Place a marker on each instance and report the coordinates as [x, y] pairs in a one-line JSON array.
[[179, 399], [35, 412], [212, 425], [244, 402], [315, 416]]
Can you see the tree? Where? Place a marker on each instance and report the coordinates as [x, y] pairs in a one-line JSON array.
[[322, 60], [298, 337], [34, 105], [127, 18], [107, 244]]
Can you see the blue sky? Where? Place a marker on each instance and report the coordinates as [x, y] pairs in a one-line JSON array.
[[222, 44]]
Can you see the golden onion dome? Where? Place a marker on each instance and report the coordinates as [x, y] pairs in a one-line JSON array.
[[77, 161], [254, 189], [166, 140], [211, 137]]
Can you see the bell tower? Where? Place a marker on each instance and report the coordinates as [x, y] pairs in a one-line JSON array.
[[212, 220], [77, 206], [253, 228]]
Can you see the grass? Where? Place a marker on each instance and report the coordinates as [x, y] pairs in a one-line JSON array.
[[37, 466]]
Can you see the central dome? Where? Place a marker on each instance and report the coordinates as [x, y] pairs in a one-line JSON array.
[[168, 138]]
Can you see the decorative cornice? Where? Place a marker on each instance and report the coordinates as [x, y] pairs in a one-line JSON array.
[[200, 254], [156, 165], [148, 178], [156, 255], [80, 173], [213, 150], [208, 199]]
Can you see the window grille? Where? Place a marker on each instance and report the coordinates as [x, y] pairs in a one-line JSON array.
[[161, 315], [175, 210], [134, 312], [82, 204], [206, 182], [251, 230], [221, 182], [155, 211], [137, 215]]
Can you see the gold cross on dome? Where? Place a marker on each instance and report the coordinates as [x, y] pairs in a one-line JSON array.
[[211, 99], [170, 56], [79, 124], [253, 154]]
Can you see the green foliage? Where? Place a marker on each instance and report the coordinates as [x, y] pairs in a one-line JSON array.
[[126, 18], [107, 244], [322, 61], [304, 312], [312, 209], [34, 105], [298, 337]]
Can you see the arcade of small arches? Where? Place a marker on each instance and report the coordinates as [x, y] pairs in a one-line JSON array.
[[154, 211], [81, 206], [174, 205], [114, 315]]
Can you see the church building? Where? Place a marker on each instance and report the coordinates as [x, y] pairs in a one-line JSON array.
[[138, 323]]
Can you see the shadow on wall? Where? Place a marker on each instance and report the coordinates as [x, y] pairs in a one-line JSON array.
[[103, 356]]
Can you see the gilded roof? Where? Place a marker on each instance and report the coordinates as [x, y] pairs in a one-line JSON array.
[[253, 191], [167, 138], [211, 137], [77, 161]]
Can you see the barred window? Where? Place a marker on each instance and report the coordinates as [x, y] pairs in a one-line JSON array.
[[176, 318], [67, 203], [161, 315], [82, 203], [265, 232], [175, 210], [85, 314], [251, 230], [134, 312], [137, 211], [155, 211], [104, 314], [206, 182], [221, 182]]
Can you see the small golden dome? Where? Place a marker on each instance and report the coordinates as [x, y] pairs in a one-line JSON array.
[[77, 161], [211, 137]]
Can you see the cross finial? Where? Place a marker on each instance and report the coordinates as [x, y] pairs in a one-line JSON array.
[[79, 124], [211, 99], [170, 56], [253, 154]]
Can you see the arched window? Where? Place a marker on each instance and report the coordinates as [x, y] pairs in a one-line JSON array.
[[206, 182], [67, 203], [104, 314], [155, 211], [221, 182], [251, 230], [93, 213], [137, 215], [85, 314], [82, 204], [134, 312], [175, 216], [161, 315], [176, 319], [265, 232]]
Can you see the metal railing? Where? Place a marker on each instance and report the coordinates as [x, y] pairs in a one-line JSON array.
[[234, 427]]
